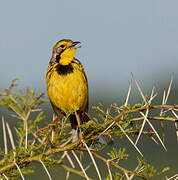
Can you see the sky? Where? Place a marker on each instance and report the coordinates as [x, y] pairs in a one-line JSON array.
[[118, 37]]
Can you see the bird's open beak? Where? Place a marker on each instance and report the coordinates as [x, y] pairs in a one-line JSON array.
[[76, 44]]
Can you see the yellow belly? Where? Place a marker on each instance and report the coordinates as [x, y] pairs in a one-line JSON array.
[[68, 92]]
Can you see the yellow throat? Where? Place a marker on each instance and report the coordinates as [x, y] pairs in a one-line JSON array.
[[67, 56]]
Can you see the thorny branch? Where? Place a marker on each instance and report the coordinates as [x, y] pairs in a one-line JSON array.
[[56, 138]]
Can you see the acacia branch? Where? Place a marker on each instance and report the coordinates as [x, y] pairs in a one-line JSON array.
[[136, 110], [125, 171], [39, 157], [156, 118]]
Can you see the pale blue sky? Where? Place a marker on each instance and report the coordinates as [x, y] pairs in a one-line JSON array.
[[118, 37]]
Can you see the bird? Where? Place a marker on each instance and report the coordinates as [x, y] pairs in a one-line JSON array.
[[67, 85]]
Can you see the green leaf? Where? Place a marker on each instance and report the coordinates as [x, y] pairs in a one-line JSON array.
[[165, 169], [118, 154]]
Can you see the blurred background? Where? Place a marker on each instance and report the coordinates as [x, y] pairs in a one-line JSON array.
[[118, 37]]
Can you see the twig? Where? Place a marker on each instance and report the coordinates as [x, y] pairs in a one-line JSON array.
[[128, 93], [123, 170], [47, 172], [69, 159], [126, 175], [80, 164], [38, 157], [5, 176], [139, 88], [10, 136], [141, 130], [93, 160], [74, 171], [156, 118], [173, 177], [4, 136], [19, 170], [154, 131], [109, 170], [130, 139], [140, 109], [169, 90]]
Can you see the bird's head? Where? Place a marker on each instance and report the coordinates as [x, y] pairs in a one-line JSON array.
[[64, 51]]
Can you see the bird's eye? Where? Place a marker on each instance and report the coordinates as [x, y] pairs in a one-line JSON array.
[[62, 46]]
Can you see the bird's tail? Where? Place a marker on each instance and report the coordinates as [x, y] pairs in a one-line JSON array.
[[78, 119]]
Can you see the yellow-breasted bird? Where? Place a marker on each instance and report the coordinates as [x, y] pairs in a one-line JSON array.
[[67, 84]]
